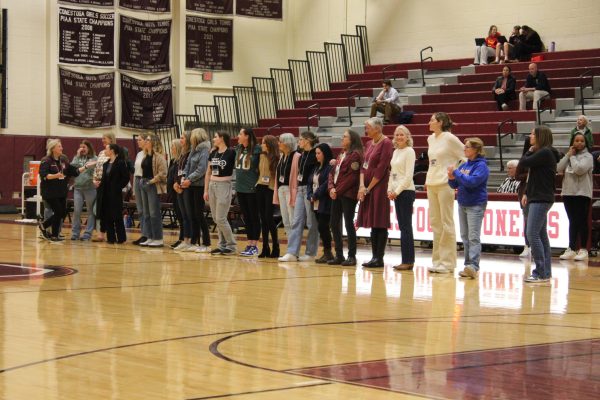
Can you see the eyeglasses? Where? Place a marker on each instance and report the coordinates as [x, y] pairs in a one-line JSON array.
[[468, 147]]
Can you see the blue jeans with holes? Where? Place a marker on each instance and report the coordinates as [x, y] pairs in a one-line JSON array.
[[137, 191], [152, 222], [303, 214], [79, 195], [537, 234], [470, 219]]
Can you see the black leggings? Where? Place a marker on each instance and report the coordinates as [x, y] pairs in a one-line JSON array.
[[324, 231], [264, 198], [577, 208], [343, 206], [249, 204], [194, 208], [59, 209]]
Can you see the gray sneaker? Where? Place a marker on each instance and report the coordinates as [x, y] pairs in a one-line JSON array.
[[469, 272]]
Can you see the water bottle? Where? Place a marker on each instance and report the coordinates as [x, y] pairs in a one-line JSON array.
[[552, 47]]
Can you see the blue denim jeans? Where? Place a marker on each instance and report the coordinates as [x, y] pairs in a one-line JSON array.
[[79, 195], [137, 191], [537, 234], [152, 221], [404, 209], [470, 219], [303, 214]]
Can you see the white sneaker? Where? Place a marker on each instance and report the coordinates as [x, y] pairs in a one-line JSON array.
[[432, 269], [182, 246], [526, 252], [192, 248], [202, 249], [146, 243], [443, 270], [582, 254], [504, 107], [156, 243], [287, 258], [306, 257], [568, 255]]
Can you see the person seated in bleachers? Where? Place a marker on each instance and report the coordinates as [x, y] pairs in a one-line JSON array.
[[511, 183], [508, 49], [583, 128], [536, 87], [530, 43], [387, 102], [488, 49], [504, 88]]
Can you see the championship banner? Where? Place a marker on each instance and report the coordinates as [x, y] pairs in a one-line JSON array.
[[222, 7], [271, 9], [86, 37], [146, 5], [100, 3], [87, 101], [502, 224], [144, 45], [146, 103], [209, 43]]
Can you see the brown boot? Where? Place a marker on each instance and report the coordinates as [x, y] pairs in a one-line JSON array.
[[404, 267], [326, 257]]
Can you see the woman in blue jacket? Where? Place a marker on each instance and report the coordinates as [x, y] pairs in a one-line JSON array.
[[318, 195], [470, 178]]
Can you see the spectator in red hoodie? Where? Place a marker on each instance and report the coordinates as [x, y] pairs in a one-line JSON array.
[[488, 49]]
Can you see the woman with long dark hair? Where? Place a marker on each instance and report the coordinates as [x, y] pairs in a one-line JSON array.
[[153, 183], [343, 182], [247, 156], [541, 159], [319, 197], [218, 191], [115, 176], [577, 190], [267, 169], [84, 189]]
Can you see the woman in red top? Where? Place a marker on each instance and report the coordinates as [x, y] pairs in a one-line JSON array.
[[489, 48]]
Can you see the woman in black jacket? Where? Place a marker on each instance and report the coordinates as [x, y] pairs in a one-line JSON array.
[[530, 43], [109, 202], [54, 171], [504, 89], [318, 195]]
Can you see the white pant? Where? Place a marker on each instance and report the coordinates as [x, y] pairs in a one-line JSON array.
[[534, 95], [482, 53], [287, 211]]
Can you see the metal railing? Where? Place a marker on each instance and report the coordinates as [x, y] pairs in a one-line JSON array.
[[301, 79], [502, 136], [229, 114], [349, 103], [265, 97], [186, 122], [361, 31], [319, 70], [166, 133], [284, 88], [354, 58], [313, 116], [384, 70], [586, 74], [541, 110], [245, 98], [273, 127], [423, 60], [336, 57], [209, 118]]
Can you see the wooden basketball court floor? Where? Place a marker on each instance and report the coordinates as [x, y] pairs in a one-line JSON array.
[[99, 321]]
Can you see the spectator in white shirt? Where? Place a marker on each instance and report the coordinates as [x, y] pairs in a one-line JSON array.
[[387, 102]]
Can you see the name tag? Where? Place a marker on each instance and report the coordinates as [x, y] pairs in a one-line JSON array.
[[215, 171], [266, 179], [299, 177], [394, 177], [433, 163], [281, 179], [366, 165]]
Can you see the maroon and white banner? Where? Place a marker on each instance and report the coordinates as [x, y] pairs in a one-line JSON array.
[[87, 101], [209, 43], [271, 9], [146, 103], [144, 45], [146, 5], [86, 37], [222, 7], [99, 3], [502, 224]]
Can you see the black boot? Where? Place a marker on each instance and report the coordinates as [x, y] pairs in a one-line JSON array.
[[380, 239], [337, 260], [373, 248], [275, 251], [349, 262], [327, 256], [266, 251]]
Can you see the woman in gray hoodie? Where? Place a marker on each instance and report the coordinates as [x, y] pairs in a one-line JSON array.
[[577, 188], [84, 189]]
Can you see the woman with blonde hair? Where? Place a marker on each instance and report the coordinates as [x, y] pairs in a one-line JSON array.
[[470, 178], [178, 152], [401, 190], [444, 150], [286, 184], [193, 171], [153, 183]]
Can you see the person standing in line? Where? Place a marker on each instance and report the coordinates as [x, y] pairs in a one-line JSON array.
[[541, 159], [319, 197], [444, 150], [374, 209], [83, 189], [153, 184], [303, 214], [344, 179], [177, 153], [218, 191], [137, 189], [577, 190], [54, 173], [267, 171], [192, 181], [470, 178], [286, 183], [247, 157], [401, 190], [107, 138], [115, 176]]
